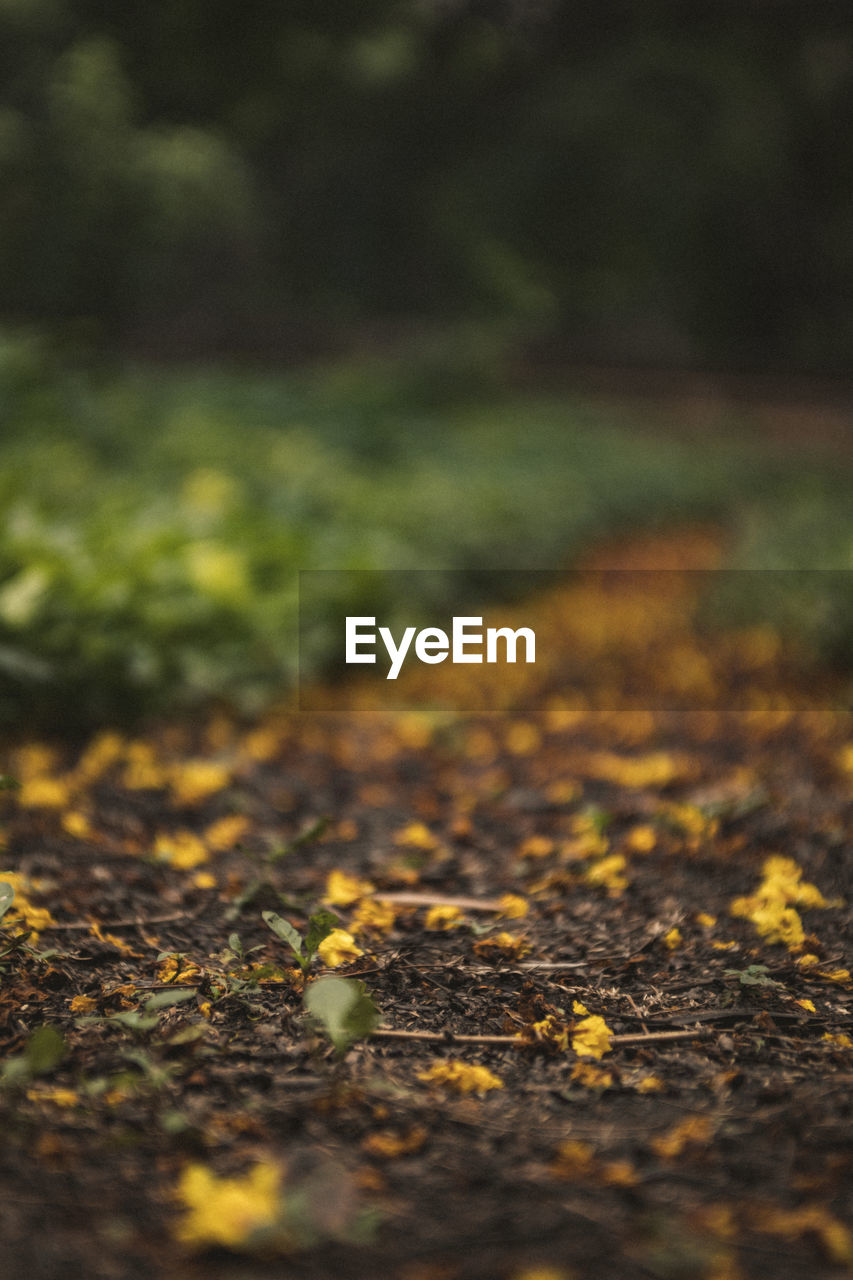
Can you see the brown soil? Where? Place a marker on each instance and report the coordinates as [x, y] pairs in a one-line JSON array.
[[711, 1140]]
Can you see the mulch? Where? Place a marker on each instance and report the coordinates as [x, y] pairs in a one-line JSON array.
[[712, 1139]]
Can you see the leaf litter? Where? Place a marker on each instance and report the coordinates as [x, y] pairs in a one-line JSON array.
[[582, 1003]]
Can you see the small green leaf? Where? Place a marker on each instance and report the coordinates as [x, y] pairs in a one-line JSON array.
[[754, 975], [7, 895], [135, 1020], [162, 999], [9, 784], [45, 1049], [343, 1008], [320, 925], [284, 929]]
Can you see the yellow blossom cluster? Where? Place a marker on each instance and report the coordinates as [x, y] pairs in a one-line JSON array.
[[370, 915], [591, 1035], [771, 908]]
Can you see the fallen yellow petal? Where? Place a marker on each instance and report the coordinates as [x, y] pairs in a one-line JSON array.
[[460, 1077], [338, 948], [591, 1037]]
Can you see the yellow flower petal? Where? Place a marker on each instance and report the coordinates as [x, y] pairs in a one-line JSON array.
[[227, 1211], [591, 1037], [443, 918], [459, 1077], [338, 948], [343, 889]]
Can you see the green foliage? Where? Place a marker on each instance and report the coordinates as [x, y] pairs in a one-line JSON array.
[[147, 1016], [633, 185], [320, 925], [343, 1008], [7, 896], [154, 524], [44, 1050], [754, 975]]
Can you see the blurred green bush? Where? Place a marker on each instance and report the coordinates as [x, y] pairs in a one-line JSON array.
[[154, 522]]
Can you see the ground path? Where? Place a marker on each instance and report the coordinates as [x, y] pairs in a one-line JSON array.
[[632, 923]]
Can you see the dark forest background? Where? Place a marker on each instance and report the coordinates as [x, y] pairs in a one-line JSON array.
[[647, 183]]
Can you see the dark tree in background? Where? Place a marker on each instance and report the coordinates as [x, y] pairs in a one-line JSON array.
[[641, 182]]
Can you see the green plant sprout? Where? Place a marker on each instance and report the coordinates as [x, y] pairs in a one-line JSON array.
[[147, 1017], [320, 925], [754, 975], [344, 1010]]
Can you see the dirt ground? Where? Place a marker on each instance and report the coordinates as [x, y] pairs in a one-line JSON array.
[[636, 921]]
